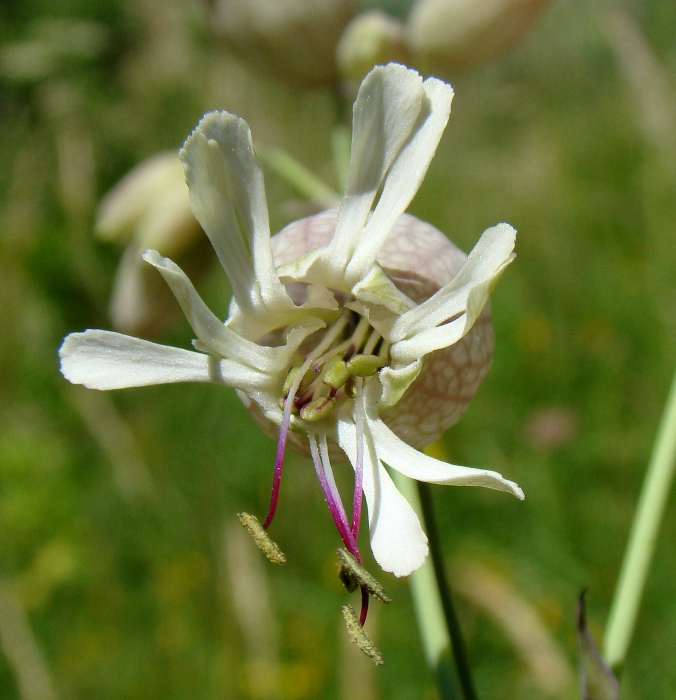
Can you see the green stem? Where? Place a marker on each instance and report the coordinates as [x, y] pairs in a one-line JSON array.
[[433, 604], [450, 617], [643, 538], [298, 176], [340, 140]]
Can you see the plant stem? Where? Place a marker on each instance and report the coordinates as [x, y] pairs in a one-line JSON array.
[[434, 608], [457, 641], [306, 183], [643, 538]]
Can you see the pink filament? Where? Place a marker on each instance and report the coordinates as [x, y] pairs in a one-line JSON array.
[[279, 462], [332, 496], [358, 472], [333, 500], [364, 606]]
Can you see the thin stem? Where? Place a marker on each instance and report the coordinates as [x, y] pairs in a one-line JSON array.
[[457, 641], [298, 176], [435, 636], [643, 538]]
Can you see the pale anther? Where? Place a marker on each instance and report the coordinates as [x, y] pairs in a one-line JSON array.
[[354, 570], [262, 539], [317, 409], [359, 637]]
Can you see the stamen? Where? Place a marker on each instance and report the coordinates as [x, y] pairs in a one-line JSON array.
[[317, 409], [349, 346], [336, 373], [384, 350], [332, 334], [337, 351], [326, 341], [332, 497], [362, 365], [364, 606], [359, 637], [288, 382], [360, 332], [361, 576], [261, 538], [357, 498], [372, 342]]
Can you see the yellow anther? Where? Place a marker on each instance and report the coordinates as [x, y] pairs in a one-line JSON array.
[[317, 409], [336, 373], [351, 388], [365, 365], [293, 373]]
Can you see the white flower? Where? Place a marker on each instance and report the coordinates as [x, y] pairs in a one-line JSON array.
[[324, 345]]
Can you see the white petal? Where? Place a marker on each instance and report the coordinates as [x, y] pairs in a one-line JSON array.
[[398, 542], [417, 465], [489, 257], [218, 338], [424, 342], [385, 112], [107, 360], [405, 175], [226, 190]]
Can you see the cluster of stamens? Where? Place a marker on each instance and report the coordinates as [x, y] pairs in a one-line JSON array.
[[334, 371], [328, 376]]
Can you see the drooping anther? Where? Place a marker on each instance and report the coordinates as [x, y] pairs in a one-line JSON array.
[[262, 539], [359, 637], [354, 575]]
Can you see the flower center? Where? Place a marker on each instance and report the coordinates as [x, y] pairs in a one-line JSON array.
[[348, 350]]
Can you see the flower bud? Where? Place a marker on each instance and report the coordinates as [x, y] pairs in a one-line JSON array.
[[447, 35], [371, 38], [148, 208], [150, 204], [293, 39]]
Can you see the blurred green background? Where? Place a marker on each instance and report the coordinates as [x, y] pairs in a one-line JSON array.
[[123, 573]]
